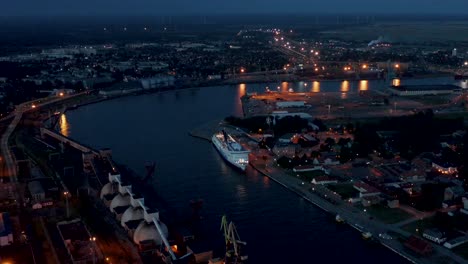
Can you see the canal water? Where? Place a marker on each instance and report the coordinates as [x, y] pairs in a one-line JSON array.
[[279, 226]]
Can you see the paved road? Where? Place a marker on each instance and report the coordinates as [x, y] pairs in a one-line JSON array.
[[9, 163]]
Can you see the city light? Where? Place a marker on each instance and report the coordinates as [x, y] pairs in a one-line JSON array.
[[242, 70], [33, 106], [466, 63], [397, 66], [61, 94], [365, 66]]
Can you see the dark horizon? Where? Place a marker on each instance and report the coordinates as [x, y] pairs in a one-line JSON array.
[[206, 7]]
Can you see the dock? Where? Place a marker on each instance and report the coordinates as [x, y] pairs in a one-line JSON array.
[[206, 131]]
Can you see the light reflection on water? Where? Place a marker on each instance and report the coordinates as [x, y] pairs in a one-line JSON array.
[[344, 86], [284, 86], [316, 87], [268, 216], [363, 85], [64, 126]]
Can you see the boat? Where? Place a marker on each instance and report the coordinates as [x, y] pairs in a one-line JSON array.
[[231, 150], [366, 235], [338, 219]]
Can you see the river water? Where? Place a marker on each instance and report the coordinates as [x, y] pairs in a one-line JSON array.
[[279, 226]]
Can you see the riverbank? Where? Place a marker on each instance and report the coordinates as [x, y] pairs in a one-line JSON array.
[[357, 219], [270, 170], [324, 205]]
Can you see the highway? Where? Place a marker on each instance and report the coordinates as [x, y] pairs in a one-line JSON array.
[[9, 169]]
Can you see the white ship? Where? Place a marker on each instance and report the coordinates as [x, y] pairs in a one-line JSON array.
[[231, 150]]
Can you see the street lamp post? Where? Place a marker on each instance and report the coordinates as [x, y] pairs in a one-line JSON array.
[[66, 203], [93, 248]]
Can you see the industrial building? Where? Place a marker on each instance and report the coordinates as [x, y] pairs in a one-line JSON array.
[[81, 247], [285, 104], [412, 90]]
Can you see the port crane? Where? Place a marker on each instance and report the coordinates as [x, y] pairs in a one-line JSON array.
[[233, 243]]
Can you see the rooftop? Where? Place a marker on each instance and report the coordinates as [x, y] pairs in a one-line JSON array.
[[74, 230]]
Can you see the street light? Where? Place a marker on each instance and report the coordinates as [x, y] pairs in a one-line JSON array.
[[66, 202]]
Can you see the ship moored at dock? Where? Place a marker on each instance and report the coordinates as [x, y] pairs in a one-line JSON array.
[[231, 150]]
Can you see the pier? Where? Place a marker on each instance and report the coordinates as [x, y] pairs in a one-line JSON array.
[[206, 131], [68, 141], [116, 193]]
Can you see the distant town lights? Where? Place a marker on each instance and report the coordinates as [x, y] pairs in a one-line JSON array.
[[466, 63], [365, 66]]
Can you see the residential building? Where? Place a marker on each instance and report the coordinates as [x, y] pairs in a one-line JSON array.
[[434, 235], [366, 190]]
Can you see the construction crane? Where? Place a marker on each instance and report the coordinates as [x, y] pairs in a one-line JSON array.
[[233, 243]]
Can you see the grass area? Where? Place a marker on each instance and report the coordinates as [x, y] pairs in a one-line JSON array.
[[410, 32], [346, 190], [308, 175], [39, 154], [419, 226], [387, 215], [431, 100]]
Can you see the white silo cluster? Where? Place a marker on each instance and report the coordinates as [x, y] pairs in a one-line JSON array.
[[142, 223]]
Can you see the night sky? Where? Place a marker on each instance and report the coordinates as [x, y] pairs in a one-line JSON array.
[[174, 7]]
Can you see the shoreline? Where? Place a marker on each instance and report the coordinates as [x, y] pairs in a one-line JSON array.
[[290, 187], [198, 133], [237, 82], [315, 203]]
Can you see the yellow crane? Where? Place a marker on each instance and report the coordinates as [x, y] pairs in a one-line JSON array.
[[233, 243]]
